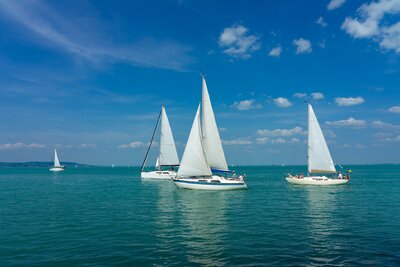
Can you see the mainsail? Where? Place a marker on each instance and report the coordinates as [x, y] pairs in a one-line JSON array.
[[56, 161], [168, 155], [211, 140], [193, 161], [319, 158]]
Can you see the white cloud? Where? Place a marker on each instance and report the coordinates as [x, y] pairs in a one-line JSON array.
[[349, 101], [282, 132], [278, 141], [282, 102], [10, 146], [275, 52], [317, 96], [352, 122], [321, 22], [222, 129], [303, 46], [237, 42], [135, 144], [262, 140], [83, 39], [300, 95], [239, 141], [333, 4], [370, 23], [394, 109], [384, 125], [87, 145], [246, 105]]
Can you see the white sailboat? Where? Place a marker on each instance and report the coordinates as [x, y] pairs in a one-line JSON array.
[[57, 166], [204, 155], [168, 157], [319, 158]]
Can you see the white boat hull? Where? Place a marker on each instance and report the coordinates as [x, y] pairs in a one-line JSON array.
[[315, 180], [214, 183], [158, 175], [57, 169]]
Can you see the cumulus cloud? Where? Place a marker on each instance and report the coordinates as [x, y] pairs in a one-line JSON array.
[[275, 52], [303, 46], [282, 132], [394, 109], [300, 95], [349, 101], [333, 4], [239, 141], [135, 144], [351, 122], [317, 96], [370, 23], [321, 22], [246, 105], [282, 102], [236, 41], [262, 140], [384, 125], [12, 146]]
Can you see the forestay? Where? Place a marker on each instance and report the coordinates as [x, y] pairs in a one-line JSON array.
[[168, 155], [211, 140], [319, 158], [193, 161]]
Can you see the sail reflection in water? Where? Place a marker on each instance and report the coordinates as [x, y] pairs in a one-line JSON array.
[[323, 224], [203, 218]]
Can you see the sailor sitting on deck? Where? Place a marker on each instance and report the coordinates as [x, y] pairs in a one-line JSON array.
[[340, 176]]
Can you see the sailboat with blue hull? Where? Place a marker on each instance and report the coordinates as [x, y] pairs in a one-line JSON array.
[[203, 165]]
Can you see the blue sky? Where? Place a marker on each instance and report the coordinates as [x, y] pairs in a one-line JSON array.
[[89, 77]]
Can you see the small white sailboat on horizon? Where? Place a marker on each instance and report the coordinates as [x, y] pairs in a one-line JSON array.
[[319, 158], [57, 166], [167, 157], [203, 164]]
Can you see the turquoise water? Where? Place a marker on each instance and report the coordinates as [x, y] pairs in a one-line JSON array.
[[108, 216]]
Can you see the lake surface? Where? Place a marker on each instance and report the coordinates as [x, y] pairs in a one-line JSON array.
[[108, 216]]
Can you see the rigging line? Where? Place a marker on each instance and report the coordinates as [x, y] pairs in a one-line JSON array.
[[151, 141]]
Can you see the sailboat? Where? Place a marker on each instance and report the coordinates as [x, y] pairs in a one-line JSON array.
[[57, 166], [167, 157], [203, 164], [319, 158]]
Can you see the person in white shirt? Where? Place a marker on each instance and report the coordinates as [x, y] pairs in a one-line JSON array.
[[340, 176]]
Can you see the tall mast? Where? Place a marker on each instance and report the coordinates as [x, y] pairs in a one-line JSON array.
[[151, 141]]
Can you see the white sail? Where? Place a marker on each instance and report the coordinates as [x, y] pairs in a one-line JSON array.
[[319, 158], [168, 155], [193, 161], [158, 163], [56, 161], [211, 140]]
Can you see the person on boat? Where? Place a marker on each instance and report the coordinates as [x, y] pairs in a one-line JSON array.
[[301, 176], [172, 168], [340, 176]]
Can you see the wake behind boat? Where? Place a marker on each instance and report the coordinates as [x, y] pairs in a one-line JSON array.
[[204, 155], [319, 158], [57, 166], [167, 157]]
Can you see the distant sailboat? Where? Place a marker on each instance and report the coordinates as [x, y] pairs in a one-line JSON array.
[[57, 166], [167, 157], [204, 154], [319, 157]]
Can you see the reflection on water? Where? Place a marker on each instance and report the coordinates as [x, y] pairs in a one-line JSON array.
[[323, 223], [203, 217]]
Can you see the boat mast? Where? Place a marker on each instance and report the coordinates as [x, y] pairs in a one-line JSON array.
[[151, 141], [308, 141]]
